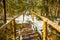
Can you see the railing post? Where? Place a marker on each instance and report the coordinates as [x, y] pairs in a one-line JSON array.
[[19, 33], [44, 30], [14, 29], [23, 17], [7, 37]]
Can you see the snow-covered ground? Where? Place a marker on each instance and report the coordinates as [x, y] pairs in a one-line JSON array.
[[37, 23]]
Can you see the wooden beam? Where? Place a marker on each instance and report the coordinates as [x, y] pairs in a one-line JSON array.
[[44, 30]]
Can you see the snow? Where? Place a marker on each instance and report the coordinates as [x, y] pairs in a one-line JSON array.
[[37, 23]]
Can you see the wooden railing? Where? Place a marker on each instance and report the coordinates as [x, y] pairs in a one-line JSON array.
[[45, 22], [49, 22], [53, 25], [9, 25], [12, 26]]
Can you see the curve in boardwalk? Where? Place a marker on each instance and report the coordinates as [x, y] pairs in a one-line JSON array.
[[27, 33]]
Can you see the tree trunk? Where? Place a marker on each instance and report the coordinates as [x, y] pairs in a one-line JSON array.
[[4, 6]]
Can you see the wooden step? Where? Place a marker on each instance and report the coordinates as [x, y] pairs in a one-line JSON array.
[[34, 39], [26, 30], [25, 25], [28, 34], [31, 38], [35, 35]]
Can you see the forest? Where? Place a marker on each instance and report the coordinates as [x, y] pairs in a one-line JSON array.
[[46, 8]]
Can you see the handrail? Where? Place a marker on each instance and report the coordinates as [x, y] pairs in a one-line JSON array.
[[3, 26], [12, 21], [45, 22], [54, 25]]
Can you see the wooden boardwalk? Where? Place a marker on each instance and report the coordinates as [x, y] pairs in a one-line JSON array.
[[26, 32], [29, 34]]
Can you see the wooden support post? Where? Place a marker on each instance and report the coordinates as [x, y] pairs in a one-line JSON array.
[[7, 37], [23, 15], [4, 6], [44, 30], [14, 29], [19, 35], [32, 15]]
